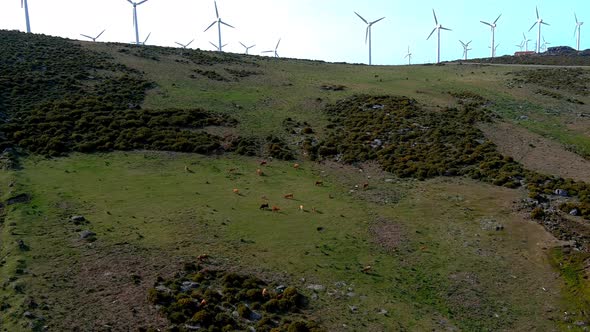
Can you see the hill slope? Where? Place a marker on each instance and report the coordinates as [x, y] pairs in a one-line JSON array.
[[401, 213]]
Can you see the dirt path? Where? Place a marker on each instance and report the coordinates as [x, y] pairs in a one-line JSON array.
[[536, 152]]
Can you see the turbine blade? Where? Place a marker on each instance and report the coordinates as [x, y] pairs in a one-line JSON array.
[[216, 12], [537, 9], [209, 27], [278, 44], [22, 3], [446, 29], [216, 47], [357, 14], [251, 46], [224, 45], [435, 19], [276, 54], [486, 23], [179, 44], [226, 24], [545, 23], [190, 43], [130, 1], [367, 33], [267, 52], [86, 36], [243, 45], [575, 30], [497, 18], [148, 37], [139, 3], [533, 26], [462, 43], [576, 16], [377, 20], [100, 34], [433, 30]]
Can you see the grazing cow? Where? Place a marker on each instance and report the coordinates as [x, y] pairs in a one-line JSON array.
[[186, 169], [301, 208], [296, 166], [264, 292], [263, 162], [366, 269], [314, 210], [289, 196], [264, 206], [276, 209], [236, 191], [319, 183], [259, 172]]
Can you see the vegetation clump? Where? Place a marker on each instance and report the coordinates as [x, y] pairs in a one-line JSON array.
[[573, 80], [225, 301]]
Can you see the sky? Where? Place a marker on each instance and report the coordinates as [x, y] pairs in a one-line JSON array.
[[312, 29]]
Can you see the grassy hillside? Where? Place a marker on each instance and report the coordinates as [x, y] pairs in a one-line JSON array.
[[393, 210]]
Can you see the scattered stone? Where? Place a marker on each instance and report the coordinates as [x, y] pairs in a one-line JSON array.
[[340, 284], [383, 312], [316, 287], [255, 316], [281, 288], [353, 308], [21, 198], [188, 285], [29, 315], [87, 235], [561, 192], [77, 219], [575, 212], [351, 294]]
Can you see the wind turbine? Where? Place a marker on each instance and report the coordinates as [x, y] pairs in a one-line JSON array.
[[465, 48], [247, 47], [526, 42], [577, 30], [184, 45], [538, 22], [23, 3], [135, 4], [437, 28], [544, 45], [93, 38], [521, 45], [409, 56], [217, 47], [495, 48], [368, 33], [493, 27], [275, 50], [219, 23]]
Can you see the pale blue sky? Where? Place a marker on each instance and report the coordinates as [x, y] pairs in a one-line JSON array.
[[313, 29]]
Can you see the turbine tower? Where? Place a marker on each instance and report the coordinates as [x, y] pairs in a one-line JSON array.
[[135, 4], [93, 38], [275, 50], [24, 4], [577, 30], [437, 28], [526, 42], [219, 23], [184, 45], [538, 22], [247, 47], [495, 48], [145, 41], [544, 45], [409, 56], [465, 48], [368, 33], [493, 27]]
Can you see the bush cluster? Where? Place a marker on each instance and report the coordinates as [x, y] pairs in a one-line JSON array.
[[224, 301]]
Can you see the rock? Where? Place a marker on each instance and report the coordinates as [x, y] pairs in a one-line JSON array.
[[87, 235], [281, 288], [383, 312], [353, 308], [574, 212], [22, 245], [377, 106], [254, 316], [351, 294], [316, 287], [340, 284], [561, 192], [314, 296], [163, 289], [22, 198], [77, 218], [29, 315], [188, 285]]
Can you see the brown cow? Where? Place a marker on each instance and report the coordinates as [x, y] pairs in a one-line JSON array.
[[288, 196], [276, 209]]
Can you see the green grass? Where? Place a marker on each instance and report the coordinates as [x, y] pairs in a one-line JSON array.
[[148, 201]]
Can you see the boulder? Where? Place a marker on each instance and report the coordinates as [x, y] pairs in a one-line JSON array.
[[87, 235], [77, 218], [575, 212], [561, 192]]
